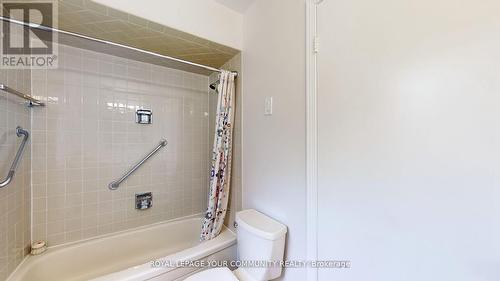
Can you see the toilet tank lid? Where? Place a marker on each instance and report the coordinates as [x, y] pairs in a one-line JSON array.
[[260, 224]]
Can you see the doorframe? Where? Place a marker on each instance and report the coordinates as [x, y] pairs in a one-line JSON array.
[[312, 136]]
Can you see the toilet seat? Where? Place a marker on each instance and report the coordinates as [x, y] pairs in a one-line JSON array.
[[218, 273]]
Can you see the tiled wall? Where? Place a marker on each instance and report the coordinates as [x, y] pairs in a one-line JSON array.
[[14, 198], [95, 20], [234, 206], [87, 136]]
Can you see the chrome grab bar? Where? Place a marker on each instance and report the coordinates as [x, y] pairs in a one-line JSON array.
[[19, 132], [115, 184], [31, 100]]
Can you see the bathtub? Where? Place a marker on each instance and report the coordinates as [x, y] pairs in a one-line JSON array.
[[129, 255]]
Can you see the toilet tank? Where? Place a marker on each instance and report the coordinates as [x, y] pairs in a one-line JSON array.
[[260, 239]]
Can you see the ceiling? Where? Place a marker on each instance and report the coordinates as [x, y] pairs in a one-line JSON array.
[[239, 6]]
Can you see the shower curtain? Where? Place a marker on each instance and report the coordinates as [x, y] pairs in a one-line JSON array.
[[220, 173]]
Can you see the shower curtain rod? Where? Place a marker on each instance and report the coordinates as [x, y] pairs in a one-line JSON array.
[[81, 36]]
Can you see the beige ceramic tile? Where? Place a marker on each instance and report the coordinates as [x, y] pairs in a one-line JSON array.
[[15, 198], [90, 138], [95, 20]]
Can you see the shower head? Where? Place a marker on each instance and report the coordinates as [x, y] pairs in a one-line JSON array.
[[214, 85]]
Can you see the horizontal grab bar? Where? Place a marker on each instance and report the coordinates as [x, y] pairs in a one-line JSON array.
[[115, 184], [19, 132], [31, 101]]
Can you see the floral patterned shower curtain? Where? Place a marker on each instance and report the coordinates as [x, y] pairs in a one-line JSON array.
[[220, 174]]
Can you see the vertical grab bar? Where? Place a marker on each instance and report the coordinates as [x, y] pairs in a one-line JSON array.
[[19, 132]]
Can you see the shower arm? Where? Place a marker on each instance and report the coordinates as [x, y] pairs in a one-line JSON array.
[[115, 184], [19, 132]]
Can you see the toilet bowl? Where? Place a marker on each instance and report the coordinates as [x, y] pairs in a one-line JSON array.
[[261, 240]]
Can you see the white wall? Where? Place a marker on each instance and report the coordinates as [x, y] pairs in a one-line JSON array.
[[204, 18], [274, 146], [409, 139]]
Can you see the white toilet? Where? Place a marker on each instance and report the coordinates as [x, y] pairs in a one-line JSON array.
[[260, 238]]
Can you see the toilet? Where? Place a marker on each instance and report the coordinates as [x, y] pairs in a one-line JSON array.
[[259, 239]]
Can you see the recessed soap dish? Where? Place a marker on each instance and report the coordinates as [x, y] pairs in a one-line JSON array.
[[143, 116]]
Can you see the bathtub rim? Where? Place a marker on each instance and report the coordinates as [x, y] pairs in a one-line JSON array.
[[145, 271], [124, 232]]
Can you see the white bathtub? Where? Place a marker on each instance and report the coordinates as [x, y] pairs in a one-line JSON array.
[[128, 255]]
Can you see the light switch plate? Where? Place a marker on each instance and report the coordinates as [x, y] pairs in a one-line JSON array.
[[268, 106]]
